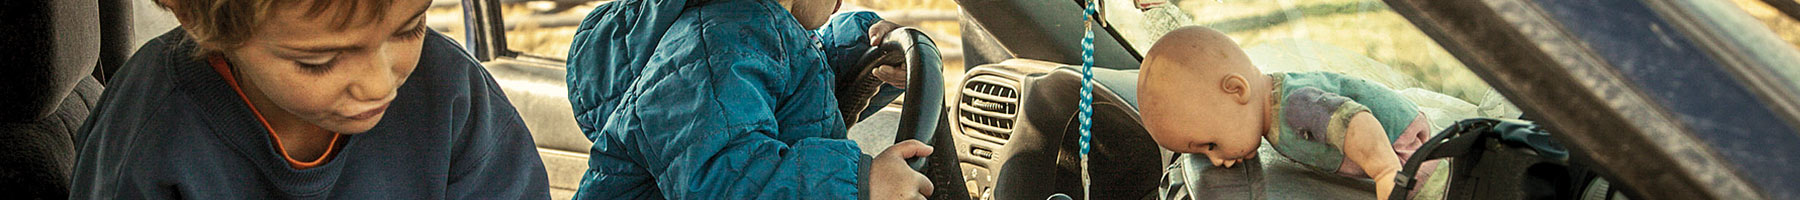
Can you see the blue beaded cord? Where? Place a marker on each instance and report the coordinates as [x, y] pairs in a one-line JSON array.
[[1087, 91]]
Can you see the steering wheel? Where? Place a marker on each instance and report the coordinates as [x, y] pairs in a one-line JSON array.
[[922, 105]]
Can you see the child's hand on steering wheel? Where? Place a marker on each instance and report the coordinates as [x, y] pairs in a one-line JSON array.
[[891, 178], [890, 74]]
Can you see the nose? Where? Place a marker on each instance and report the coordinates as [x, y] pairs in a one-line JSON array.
[[374, 80]]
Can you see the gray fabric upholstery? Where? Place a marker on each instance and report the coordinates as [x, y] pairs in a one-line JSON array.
[[39, 153], [116, 34], [52, 44], [52, 48]]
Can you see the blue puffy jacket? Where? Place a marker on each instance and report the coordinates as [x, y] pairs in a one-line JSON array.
[[713, 99]]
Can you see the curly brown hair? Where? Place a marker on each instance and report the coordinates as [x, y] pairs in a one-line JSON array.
[[220, 25]]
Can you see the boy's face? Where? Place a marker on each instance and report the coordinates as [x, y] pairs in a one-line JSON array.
[[340, 78]]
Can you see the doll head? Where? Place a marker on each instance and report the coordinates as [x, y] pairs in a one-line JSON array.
[[1199, 93]]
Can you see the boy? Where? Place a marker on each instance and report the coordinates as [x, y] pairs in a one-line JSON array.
[[726, 99], [291, 100], [1200, 94]]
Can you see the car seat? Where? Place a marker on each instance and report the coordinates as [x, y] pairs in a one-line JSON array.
[[54, 46]]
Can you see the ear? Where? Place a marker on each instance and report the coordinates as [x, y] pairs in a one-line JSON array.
[[1237, 87]]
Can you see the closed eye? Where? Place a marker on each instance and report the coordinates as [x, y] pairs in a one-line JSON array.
[[1208, 146], [416, 32], [414, 29], [316, 65]]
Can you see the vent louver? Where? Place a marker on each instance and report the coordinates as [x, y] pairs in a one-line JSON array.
[[987, 107]]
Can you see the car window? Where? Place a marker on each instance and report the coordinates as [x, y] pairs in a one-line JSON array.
[[539, 28], [1785, 27], [446, 16], [544, 28], [1361, 38]]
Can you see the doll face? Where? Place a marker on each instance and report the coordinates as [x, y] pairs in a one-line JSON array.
[[1222, 132], [1220, 114], [1198, 93]]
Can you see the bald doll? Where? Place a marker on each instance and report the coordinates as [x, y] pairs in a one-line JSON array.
[[1199, 93]]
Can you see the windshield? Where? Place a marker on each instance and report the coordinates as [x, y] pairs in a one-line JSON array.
[[1356, 37], [1784, 27]]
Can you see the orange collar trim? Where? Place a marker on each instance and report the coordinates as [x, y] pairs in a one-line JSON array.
[[224, 68]]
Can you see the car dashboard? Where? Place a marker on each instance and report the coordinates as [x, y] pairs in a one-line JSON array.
[[1016, 131]]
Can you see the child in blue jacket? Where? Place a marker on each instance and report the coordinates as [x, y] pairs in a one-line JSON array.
[[727, 99]]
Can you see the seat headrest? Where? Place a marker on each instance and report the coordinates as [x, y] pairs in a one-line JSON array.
[[52, 45]]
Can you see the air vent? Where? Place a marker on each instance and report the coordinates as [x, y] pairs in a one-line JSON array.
[[988, 105]]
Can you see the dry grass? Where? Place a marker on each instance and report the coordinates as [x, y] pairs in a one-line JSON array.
[[446, 15], [1386, 37], [949, 30], [529, 36], [1785, 27]]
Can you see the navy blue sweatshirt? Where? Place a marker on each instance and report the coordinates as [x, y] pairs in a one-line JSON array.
[[169, 127]]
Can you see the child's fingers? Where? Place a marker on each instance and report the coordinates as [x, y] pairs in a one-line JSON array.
[[1217, 162], [909, 149]]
